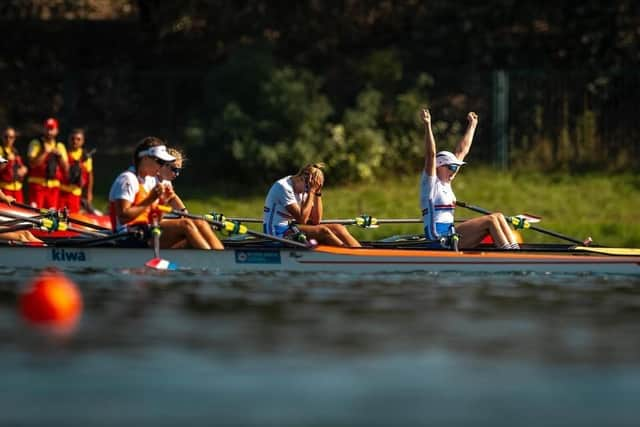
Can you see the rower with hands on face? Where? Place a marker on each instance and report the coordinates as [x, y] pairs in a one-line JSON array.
[[295, 203]]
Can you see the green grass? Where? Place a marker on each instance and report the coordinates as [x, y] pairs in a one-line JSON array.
[[604, 207]]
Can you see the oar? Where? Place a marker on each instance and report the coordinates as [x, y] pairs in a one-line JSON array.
[[98, 240], [76, 221], [156, 262], [609, 251], [13, 221], [17, 227], [361, 221], [519, 222], [235, 227], [50, 224]]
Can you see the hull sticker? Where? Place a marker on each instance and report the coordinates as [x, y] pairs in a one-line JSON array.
[[257, 257]]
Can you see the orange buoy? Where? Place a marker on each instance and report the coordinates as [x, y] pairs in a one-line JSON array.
[[51, 300]]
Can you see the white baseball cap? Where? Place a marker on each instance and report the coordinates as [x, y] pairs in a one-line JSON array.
[[159, 152], [444, 158], [3, 160]]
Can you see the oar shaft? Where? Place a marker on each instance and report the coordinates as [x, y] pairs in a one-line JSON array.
[[18, 227], [532, 227], [346, 221], [40, 222], [249, 231], [71, 219]]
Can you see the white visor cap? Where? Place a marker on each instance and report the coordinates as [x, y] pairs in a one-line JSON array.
[[159, 152], [444, 158]]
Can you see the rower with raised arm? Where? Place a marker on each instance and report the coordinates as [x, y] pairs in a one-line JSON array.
[[438, 200], [168, 173], [298, 198], [135, 195]]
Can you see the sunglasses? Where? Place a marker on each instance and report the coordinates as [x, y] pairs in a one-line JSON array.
[[176, 170], [453, 168], [159, 161]]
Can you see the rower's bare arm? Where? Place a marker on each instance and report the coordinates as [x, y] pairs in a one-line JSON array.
[[463, 147], [6, 199], [316, 184], [301, 214], [429, 144], [126, 211]]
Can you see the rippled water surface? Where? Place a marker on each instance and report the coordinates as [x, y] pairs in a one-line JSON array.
[[320, 350]]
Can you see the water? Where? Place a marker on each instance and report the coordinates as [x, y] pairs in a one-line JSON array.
[[320, 350]]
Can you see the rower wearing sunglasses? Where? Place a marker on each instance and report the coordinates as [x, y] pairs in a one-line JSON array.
[[135, 195], [438, 200], [167, 174]]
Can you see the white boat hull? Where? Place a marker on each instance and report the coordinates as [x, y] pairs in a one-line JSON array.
[[321, 259]]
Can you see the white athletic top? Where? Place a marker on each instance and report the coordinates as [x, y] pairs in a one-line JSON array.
[[125, 187], [437, 201], [279, 197]]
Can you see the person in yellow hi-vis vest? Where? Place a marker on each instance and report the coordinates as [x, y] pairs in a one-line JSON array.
[[80, 176], [47, 167], [13, 171]]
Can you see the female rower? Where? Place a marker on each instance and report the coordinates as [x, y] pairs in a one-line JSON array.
[[299, 198], [135, 194], [438, 200], [169, 172], [20, 235]]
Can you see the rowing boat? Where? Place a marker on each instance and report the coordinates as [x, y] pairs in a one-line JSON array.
[[265, 257]]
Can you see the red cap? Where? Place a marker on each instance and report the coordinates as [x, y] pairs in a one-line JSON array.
[[51, 123]]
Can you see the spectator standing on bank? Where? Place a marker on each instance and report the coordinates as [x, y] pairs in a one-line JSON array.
[[13, 171], [79, 179], [48, 166]]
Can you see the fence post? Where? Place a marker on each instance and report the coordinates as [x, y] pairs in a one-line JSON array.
[[500, 117]]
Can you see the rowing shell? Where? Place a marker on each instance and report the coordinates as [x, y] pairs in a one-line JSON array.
[[324, 259]]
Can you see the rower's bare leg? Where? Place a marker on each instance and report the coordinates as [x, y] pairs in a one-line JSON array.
[[504, 226], [181, 244], [20, 236], [208, 234], [27, 236], [322, 234], [174, 230], [473, 231], [344, 235]]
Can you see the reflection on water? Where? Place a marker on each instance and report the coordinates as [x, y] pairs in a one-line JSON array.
[[327, 349]]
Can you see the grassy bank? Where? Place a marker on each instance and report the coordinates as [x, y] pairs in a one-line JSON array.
[[602, 206]]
